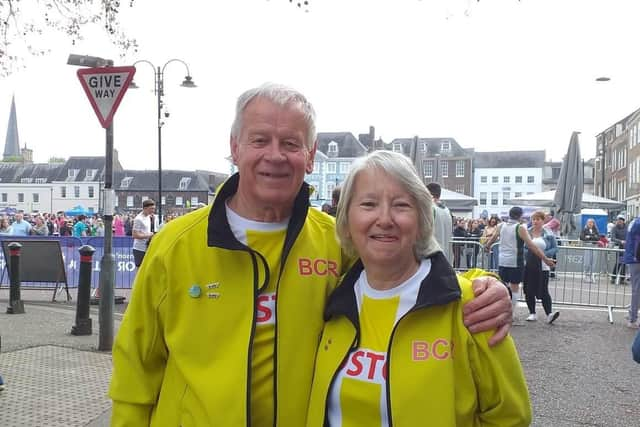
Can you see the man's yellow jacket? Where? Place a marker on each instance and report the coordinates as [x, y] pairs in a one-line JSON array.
[[182, 356]]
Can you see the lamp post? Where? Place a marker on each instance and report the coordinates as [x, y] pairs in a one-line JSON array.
[[159, 92], [602, 149]]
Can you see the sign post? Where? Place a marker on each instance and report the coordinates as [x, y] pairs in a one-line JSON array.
[[105, 87]]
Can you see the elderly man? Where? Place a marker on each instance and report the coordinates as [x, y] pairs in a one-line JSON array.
[[226, 311]]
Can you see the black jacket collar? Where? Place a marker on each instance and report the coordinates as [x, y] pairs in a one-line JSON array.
[[438, 288], [219, 232]]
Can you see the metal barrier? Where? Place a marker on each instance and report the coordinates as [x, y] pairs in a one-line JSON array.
[[125, 267], [585, 275]]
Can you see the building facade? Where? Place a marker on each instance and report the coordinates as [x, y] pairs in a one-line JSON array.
[[440, 160], [502, 175]]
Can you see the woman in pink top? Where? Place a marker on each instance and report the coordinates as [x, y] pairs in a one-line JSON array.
[[118, 226]]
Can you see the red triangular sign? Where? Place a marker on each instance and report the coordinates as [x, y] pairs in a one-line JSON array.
[[105, 88]]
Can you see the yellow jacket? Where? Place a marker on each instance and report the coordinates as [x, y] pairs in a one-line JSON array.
[[439, 374], [184, 360]]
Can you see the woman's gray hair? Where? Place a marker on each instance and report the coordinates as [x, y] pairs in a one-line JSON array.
[[280, 95], [399, 167]]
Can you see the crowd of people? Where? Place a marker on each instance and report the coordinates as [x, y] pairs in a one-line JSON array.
[[60, 224]]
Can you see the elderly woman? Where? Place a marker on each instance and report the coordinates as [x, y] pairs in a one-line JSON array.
[[40, 227], [394, 350]]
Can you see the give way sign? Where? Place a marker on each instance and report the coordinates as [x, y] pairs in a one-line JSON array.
[[105, 87]]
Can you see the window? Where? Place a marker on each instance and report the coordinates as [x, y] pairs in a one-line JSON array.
[[529, 192], [63, 192], [91, 174], [494, 198], [20, 197], [518, 194], [91, 194], [333, 148], [316, 167], [459, 188], [331, 167], [36, 197], [129, 201], [483, 198], [444, 168], [4, 197], [518, 180], [428, 169], [506, 179], [483, 179], [76, 191], [26, 180], [184, 183], [41, 180], [506, 195], [194, 201], [530, 180], [72, 173], [460, 168], [423, 147], [344, 167], [445, 147], [397, 148], [178, 200], [126, 181]]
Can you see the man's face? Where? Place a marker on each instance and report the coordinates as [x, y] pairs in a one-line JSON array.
[[149, 210], [19, 217], [620, 222], [272, 154]]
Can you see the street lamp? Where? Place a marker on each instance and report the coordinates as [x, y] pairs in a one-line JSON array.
[[159, 92]]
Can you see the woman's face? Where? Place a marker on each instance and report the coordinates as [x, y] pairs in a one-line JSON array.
[[383, 220], [537, 222], [493, 222]]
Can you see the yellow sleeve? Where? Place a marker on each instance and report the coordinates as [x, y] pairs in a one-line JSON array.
[[502, 389], [139, 351]]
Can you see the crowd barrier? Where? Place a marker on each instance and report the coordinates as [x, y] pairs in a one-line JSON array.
[[121, 249], [585, 275]]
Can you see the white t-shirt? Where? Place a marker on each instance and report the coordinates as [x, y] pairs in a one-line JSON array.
[[142, 223]]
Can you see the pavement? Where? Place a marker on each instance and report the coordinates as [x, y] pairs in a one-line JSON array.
[[579, 370]]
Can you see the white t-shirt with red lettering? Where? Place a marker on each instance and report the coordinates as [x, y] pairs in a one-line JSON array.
[[358, 394]]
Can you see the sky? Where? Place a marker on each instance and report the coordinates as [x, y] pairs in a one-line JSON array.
[[494, 75]]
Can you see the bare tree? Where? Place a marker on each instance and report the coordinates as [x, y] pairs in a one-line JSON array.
[[24, 24]]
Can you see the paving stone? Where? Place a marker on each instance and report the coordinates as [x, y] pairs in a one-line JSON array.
[[53, 386]]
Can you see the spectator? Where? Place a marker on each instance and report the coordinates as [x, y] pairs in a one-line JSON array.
[[590, 238], [335, 198], [118, 225], [128, 225], [442, 222], [144, 227], [5, 228], [618, 236], [489, 234], [459, 233], [80, 228], [632, 260], [635, 348], [40, 228], [20, 227], [99, 228], [473, 234]]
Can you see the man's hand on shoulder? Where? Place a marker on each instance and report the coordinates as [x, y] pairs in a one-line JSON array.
[[490, 310]]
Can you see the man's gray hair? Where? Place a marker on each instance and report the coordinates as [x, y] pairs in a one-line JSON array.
[[280, 95], [398, 167]]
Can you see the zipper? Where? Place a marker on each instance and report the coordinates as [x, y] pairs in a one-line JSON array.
[[335, 374], [256, 277]]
